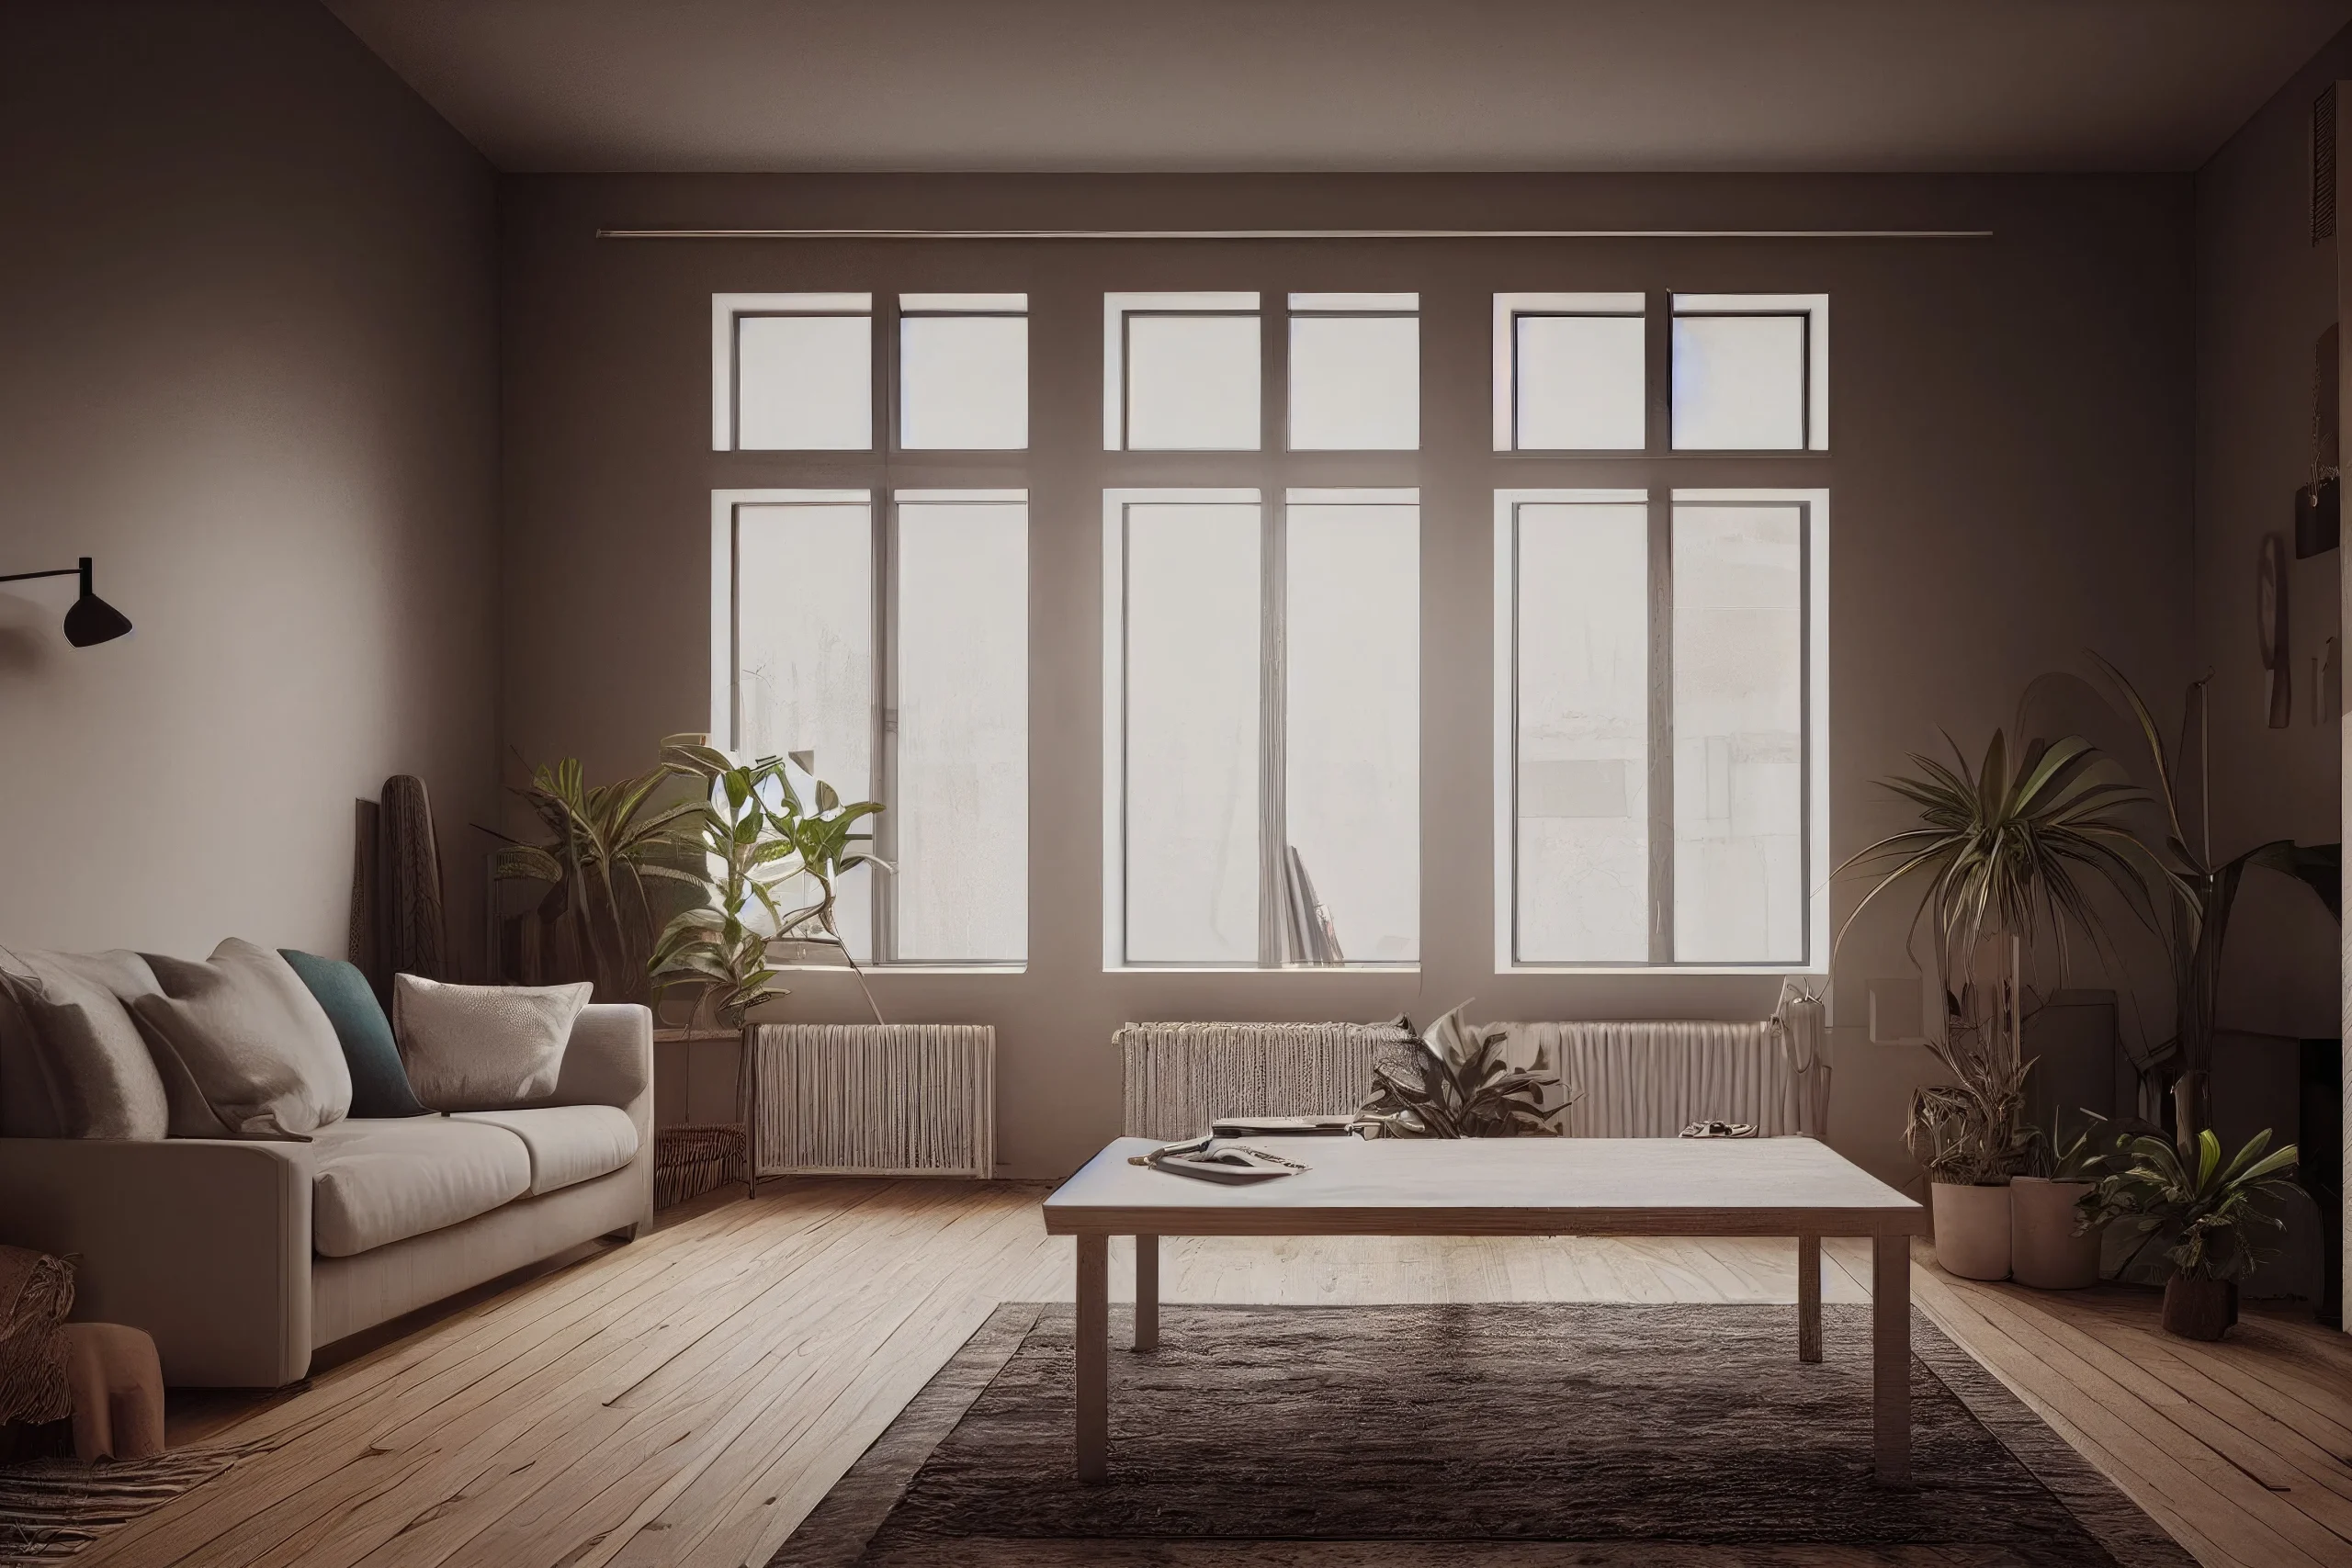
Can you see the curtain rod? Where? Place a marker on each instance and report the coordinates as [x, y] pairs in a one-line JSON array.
[[1294, 233]]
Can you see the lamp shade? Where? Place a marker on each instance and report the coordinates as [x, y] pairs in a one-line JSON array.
[[92, 620]]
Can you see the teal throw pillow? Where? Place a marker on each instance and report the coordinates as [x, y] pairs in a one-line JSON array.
[[380, 1085]]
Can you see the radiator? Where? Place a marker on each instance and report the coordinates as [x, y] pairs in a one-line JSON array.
[[1652, 1080], [874, 1099], [1632, 1080], [1182, 1076]]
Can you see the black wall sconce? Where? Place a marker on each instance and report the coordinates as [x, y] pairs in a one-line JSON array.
[[92, 619]]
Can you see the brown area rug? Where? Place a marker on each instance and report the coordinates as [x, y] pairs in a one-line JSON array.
[[1526, 1435], [52, 1508]]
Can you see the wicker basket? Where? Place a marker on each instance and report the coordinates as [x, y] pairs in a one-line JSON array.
[[690, 1161]]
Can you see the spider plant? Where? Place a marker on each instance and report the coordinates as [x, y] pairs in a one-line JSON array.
[[1459, 1085], [2202, 891], [2006, 852], [606, 842], [2212, 1207]]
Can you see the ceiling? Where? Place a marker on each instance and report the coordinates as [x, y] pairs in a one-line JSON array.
[[614, 85]]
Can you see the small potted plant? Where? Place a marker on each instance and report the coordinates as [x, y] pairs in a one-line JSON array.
[[1460, 1084], [2052, 1245], [2210, 1206]]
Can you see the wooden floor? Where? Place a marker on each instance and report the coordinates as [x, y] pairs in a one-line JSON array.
[[684, 1400]]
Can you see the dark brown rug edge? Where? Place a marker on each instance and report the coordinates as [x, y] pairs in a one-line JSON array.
[[838, 1530]]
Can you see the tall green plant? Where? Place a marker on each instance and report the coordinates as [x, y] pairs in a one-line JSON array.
[[604, 843], [2197, 915], [2005, 853], [753, 839]]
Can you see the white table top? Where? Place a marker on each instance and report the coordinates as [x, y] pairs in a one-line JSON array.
[[1498, 1187]]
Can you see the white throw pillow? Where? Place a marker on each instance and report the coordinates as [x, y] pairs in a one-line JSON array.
[[482, 1047], [244, 1049], [72, 1065]]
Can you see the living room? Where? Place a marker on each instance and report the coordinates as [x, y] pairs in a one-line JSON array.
[[692, 685]]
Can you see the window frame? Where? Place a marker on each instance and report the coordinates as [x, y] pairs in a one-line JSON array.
[[1813, 310], [1661, 500], [882, 507], [1272, 715], [727, 313]]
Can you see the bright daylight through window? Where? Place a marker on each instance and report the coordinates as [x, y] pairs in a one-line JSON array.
[[883, 630], [1660, 530]]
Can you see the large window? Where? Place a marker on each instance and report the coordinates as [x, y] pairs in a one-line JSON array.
[[1658, 464], [889, 649], [1261, 727], [1661, 693]]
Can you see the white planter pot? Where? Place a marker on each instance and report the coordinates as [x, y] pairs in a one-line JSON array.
[[2044, 1251], [1972, 1230]]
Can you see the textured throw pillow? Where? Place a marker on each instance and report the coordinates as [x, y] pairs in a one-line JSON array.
[[484, 1047], [73, 1038], [245, 1049], [379, 1084]]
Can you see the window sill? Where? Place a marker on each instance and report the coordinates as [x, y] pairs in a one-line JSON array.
[[1406, 970], [1754, 971], [874, 969]]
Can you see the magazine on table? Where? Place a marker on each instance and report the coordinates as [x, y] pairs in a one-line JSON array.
[[1212, 1158]]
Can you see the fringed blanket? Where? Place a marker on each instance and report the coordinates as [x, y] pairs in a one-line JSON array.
[[35, 1292]]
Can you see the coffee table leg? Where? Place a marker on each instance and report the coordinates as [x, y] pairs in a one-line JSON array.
[[1146, 1292], [1093, 1358], [1891, 1357], [1808, 1297]]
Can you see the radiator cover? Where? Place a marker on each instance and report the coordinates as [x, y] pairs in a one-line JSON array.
[[874, 1099]]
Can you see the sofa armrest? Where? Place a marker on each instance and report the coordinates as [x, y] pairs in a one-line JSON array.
[[609, 1059], [204, 1243]]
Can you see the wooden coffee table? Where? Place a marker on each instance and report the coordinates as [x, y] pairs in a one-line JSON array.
[[1650, 1187]]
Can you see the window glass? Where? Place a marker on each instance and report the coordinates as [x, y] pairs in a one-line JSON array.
[[1739, 382], [1581, 630], [1191, 685], [804, 383], [1351, 742], [1192, 382], [960, 818], [1579, 383], [804, 594], [1355, 381], [1739, 881], [963, 380]]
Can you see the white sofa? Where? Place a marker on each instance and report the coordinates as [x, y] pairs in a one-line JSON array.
[[242, 1257]]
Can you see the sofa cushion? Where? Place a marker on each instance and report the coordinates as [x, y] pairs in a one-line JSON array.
[[246, 1050], [568, 1144], [379, 1082], [482, 1047], [71, 1036], [377, 1182]]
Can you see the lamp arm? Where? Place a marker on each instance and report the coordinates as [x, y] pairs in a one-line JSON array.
[[83, 571]]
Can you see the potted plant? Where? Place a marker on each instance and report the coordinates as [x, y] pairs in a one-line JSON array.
[[2213, 1208], [2005, 853], [2052, 1245], [1459, 1084], [2202, 891]]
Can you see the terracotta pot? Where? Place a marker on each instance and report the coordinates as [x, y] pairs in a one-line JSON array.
[[2200, 1309], [1972, 1230], [2044, 1251]]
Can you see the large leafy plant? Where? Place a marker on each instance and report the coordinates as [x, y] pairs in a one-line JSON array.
[[1459, 1084], [2201, 891], [754, 843], [2005, 853], [604, 843], [2212, 1207]]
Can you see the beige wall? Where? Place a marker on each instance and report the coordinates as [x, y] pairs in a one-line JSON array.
[[2264, 293], [246, 296], [2011, 427]]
